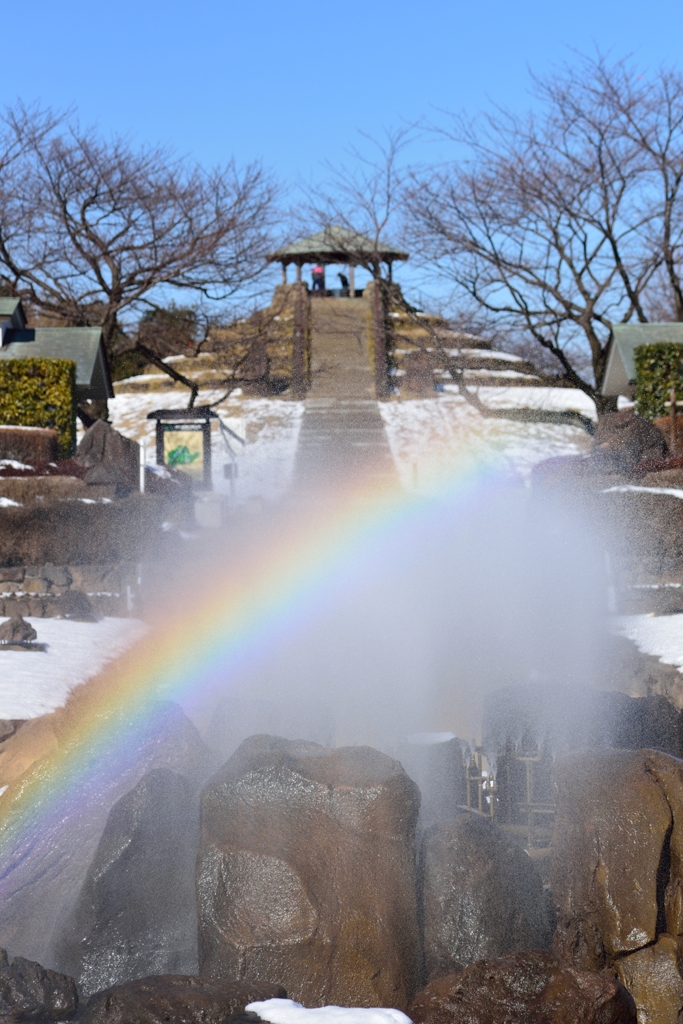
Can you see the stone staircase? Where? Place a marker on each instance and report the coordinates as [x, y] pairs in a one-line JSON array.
[[342, 435]]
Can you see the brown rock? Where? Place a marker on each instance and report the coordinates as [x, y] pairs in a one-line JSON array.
[[653, 977], [17, 630], [305, 873], [9, 575], [29, 992], [612, 823], [481, 896], [525, 988], [176, 999]]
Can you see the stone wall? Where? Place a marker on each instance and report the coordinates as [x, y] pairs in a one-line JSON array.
[[46, 591]]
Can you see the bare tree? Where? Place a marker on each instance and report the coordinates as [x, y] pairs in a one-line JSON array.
[[94, 232], [561, 223]]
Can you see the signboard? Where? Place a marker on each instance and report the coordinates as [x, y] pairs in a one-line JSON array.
[[184, 442], [184, 448]]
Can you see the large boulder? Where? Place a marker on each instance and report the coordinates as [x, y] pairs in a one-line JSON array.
[[108, 456], [179, 999], [16, 630], [29, 992], [618, 834], [136, 913], [47, 852], [624, 439], [525, 988], [480, 896], [305, 873], [617, 871]]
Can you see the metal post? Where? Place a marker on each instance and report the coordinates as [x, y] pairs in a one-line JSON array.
[[672, 397], [143, 464]]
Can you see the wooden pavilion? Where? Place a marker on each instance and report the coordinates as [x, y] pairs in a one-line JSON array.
[[336, 245]]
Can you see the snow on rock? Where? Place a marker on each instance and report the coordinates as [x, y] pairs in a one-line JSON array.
[[270, 428], [33, 683], [660, 635], [674, 492], [286, 1011], [432, 437]]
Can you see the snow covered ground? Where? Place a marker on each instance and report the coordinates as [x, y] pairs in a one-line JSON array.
[[431, 437], [661, 635], [32, 683], [269, 427]]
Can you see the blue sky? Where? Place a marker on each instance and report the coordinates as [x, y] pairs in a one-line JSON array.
[[292, 83]]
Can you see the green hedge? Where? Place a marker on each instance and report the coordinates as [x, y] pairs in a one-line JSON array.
[[658, 369], [38, 392]]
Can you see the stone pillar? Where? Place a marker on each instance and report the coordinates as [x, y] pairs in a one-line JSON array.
[[352, 281], [284, 273]]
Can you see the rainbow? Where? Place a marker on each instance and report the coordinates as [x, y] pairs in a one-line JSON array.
[[206, 640]]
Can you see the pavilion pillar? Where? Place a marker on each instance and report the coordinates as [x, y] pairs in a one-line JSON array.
[[284, 273], [352, 281], [298, 273]]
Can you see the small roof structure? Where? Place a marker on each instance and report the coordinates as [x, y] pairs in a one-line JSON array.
[[620, 373], [11, 313], [335, 245], [83, 345]]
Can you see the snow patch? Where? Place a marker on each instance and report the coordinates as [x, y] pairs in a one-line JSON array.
[[430, 438], [33, 683], [286, 1011], [660, 635]]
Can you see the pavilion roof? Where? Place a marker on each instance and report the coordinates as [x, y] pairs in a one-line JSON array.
[[335, 245]]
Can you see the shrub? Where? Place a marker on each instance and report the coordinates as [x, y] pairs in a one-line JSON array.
[[659, 368], [36, 392]]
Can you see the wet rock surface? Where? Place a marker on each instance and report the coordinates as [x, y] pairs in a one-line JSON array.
[[46, 861], [438, 768], [480, 894], [179, 999], [29, 992], [525, 988], [136, 913], [306, 875], [616, 871], [653, 977]]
